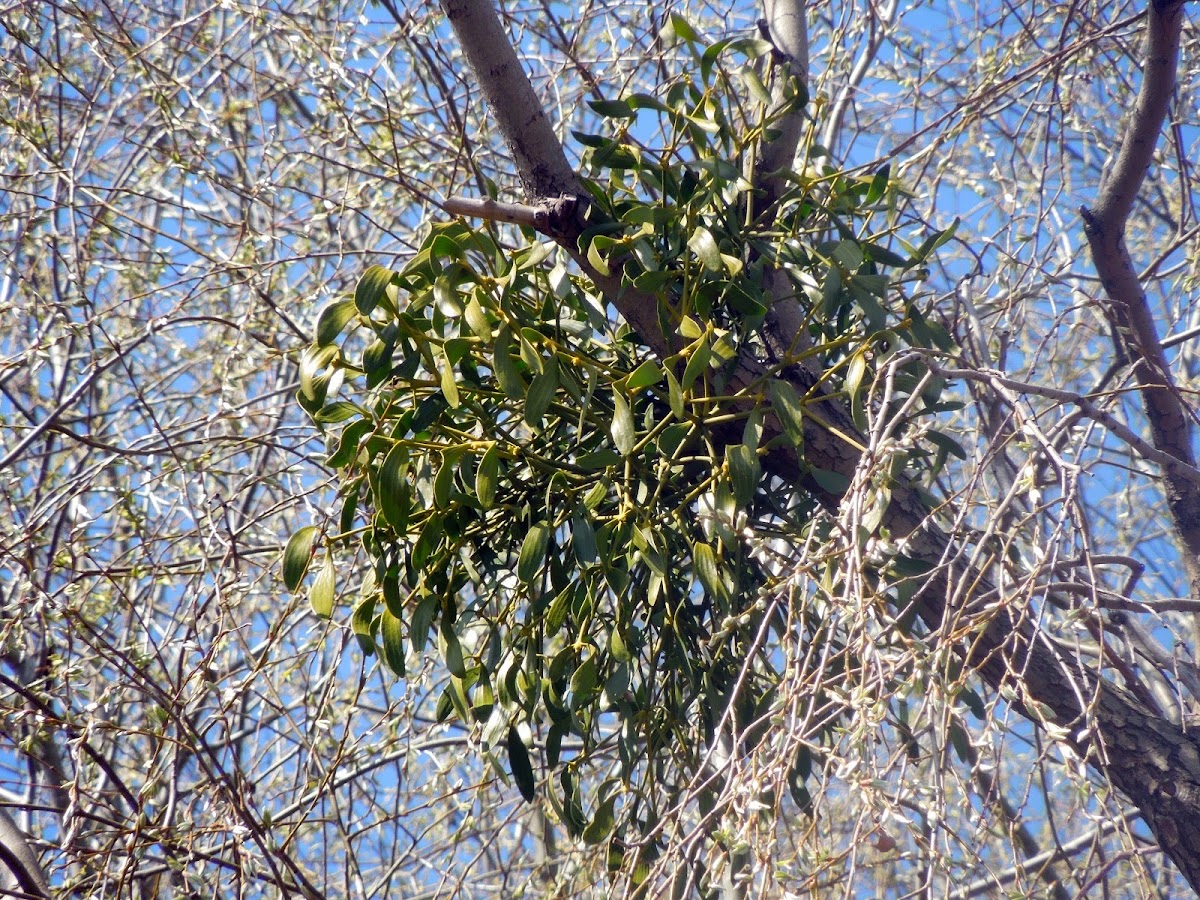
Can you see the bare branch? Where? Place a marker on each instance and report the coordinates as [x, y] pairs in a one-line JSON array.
[[551, 217]]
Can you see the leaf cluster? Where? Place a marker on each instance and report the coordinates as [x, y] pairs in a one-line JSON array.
[[580, 529]]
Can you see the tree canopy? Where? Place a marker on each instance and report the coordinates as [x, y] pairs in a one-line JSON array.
[[545, 450]]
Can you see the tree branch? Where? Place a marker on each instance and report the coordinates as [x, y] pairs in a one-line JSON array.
[[1129, 310], [18, 860], [541, 163], [787, 28], [1105, 723]]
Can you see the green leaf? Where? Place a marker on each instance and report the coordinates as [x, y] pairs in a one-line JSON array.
[[347, 448], [443, 481], [360, 624], [709, 573], [320, 595], [934, 241], [477, 320], [338, 411], [704, 245], [597, 459], [520, 765], [624, 434], [445, 706], [602, 825], [831, 291], [879, 184], [596, 493], [296, 556], [448, 383], [675, 394], [699, 356], [596, 258], [333, 318], [855, 372], [422, 620], [583, 540], [617, 645], [612, 109], [349, 508], [681, 28], [312, 361], [884, 256], [947, 444], [647, 374], [618, 156], [554, 736], [372, 287], [486, 476], [583, 683], [755, 86], [508, 376], [557, 613], [391, 633], [744, 472], [392, 598], [541, 393], [452, 650], [689, 328], [394, 488], [788, 410], [533, 551]]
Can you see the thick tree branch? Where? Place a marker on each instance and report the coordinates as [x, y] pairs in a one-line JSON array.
[[19, 866], [1155, 763], [541, 163], [787, 28], [1128, 308]]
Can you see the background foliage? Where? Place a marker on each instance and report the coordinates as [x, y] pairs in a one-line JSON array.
[[186, 188]]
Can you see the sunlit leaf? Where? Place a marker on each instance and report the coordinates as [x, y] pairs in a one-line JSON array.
[[321, 593], [394, 489], [624, 434], [486, 476], [744, 472], [391, 635], [372, 286], [533, 551], [297, 555], [704, 245]]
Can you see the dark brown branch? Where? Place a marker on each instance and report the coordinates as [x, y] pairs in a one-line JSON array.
[[1135, 330]]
